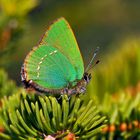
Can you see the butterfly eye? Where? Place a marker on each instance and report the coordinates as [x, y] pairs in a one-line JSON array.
[[85, 77]]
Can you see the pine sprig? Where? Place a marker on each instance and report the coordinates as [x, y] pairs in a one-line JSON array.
[[116, 89], [123, 111], [37, 117]]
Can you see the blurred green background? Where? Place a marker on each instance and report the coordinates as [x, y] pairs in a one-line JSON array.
[[95, 23]]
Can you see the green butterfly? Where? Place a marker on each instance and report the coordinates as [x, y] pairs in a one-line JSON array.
[[55, 65]]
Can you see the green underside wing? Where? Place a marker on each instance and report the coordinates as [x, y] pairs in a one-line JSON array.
[[56, 62]]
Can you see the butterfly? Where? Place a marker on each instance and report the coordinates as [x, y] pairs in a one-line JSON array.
[[55, 65]]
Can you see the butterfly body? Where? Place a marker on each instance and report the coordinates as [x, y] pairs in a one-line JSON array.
[[55, 65]]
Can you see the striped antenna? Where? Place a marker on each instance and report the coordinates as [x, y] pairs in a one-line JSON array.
[[91, 61]]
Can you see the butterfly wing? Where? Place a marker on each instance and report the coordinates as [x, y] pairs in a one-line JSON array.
[[49, 68], [60, 36]]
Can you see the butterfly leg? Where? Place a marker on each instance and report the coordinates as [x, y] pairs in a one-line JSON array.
[[60, 97], [69, 96], [64, 91]]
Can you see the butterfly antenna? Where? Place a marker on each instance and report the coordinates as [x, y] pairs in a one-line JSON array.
[[94, 65], [91, 61]]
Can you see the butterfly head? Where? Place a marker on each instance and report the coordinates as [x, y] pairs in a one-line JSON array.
[[81, 88], [87, 77]]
